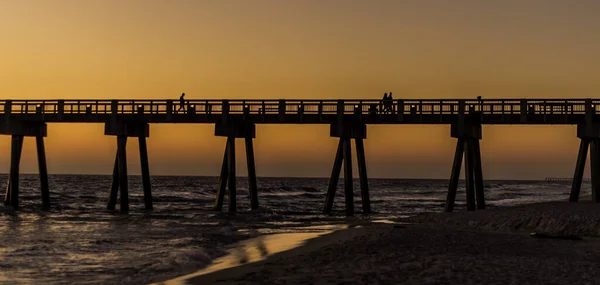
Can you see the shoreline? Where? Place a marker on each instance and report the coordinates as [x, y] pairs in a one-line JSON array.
[[493, 246]]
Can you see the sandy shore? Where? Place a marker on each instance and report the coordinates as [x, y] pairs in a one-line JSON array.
[[485, 247]]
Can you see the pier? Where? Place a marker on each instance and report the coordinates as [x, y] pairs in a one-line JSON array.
[[348, 121]]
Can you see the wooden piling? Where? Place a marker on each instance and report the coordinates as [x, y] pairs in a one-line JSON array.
[[251, 174], [122, 154], [579, 169], [362, 173], [478, 173], [455, 174], [222, 181], [595, 169], [45, 191], [348, 184], [469, 183], [231, 175], [145, 173], [335, 176], [15, 160]]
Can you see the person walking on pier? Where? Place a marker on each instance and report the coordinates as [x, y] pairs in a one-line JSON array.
[[382, 107], [386, 103], [181, 102], [389, 103]]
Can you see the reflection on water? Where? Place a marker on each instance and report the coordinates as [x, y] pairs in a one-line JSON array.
[[259, 248]]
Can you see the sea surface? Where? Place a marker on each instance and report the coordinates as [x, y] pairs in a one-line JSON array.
[[79, 242]]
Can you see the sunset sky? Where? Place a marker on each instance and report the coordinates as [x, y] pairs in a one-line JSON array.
[[317, 49]]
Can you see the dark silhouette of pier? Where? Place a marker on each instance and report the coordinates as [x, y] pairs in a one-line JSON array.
[[348, 120]]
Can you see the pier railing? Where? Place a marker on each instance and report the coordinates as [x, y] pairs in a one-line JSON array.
[[321, 107]]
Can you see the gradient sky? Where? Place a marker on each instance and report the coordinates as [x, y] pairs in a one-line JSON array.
[[301, 49]]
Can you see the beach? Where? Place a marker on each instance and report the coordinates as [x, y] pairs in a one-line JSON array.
[[493, 246]]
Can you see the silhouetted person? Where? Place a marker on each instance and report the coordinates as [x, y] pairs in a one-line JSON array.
[[181, 102], [382, 105]]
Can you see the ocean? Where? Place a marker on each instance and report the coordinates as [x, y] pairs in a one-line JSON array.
[[79, 242]]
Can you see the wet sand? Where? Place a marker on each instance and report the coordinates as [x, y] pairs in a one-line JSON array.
[[485, 247]]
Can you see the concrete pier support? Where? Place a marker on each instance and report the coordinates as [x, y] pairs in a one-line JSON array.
[[41, 153], [454, 176], [347, 131], [145, 173], [469, 175], [123, 130], [362, 174], [589, 134], [334, 178], [114, 188], [122, 162], [468, 134], [348, 182], [579, 169], [15, 160], [222, 181], [233, 128], [18, 130], [251, 174], [231, 177]]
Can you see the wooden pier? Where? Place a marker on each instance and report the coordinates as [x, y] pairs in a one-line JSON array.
[[348, 120]]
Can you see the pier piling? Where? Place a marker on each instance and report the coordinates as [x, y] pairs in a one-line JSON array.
[[589, 134], [579, 169], [346, 131], [478, 175], [222, 181], [362, 173], [114, 188], [348, 182], [455, 175], [122, 161], [467, 130], [231, 174], [469, 179], [335, 177], [145, 173], [233, 129], [15, 160], [251, 174], [45, 191]]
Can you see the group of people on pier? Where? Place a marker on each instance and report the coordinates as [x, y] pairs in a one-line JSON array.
[[385, 107]]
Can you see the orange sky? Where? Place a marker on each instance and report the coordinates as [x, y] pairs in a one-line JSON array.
[[301, 49]]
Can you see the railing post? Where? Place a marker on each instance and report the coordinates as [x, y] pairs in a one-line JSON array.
[[281, 109], [320, 110], [169, 109], [340, 110], [7, 109], [224, 110], [400, 111], [60, 108], [523, 111], [461, 112], [114, 109], [589, 112]]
